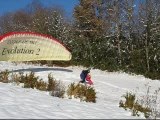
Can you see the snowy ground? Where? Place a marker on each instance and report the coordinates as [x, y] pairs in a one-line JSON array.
[[17, 102]]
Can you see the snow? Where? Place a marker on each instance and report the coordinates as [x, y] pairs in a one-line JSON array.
[[21, 103]]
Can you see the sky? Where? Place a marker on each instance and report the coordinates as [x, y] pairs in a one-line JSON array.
[[13, 5]]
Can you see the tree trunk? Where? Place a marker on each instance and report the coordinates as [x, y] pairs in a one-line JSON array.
[[147, 53], [119, 45]]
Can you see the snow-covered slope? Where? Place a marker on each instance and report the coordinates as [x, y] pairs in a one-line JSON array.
[[17, 102]]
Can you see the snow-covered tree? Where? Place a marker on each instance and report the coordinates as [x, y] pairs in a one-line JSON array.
[[148, 17]]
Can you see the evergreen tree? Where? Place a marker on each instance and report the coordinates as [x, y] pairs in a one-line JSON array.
[[88, 27]]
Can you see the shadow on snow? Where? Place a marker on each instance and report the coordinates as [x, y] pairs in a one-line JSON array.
[[41, 70]]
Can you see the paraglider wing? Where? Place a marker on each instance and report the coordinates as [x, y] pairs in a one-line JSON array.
[[28, 46]]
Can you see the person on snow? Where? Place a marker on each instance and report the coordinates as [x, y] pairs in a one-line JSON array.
[[88, 79], [85, 76]]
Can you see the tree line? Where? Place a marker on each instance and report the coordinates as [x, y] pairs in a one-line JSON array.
[[113, 35]]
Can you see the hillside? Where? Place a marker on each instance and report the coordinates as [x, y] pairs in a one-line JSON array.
[[18, 102]]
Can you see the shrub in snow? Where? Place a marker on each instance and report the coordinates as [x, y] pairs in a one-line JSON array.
[[71, 90], [18, 78], [55, 87], [41, 85], [30, 80], [51, 83], [59, 90], [134, 105], [90, 94], [76, 90], [15, 79], [129, 101], [84, 92], [4, 75], [151, 100]]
